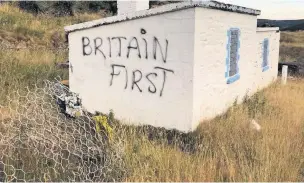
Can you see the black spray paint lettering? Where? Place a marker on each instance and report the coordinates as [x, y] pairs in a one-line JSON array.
[[146, 47], [110, 47], [98, 45], [164, 55], [117, 74], [135, 79], [86, 43], [165, 76], [119, 42], [136, 47], [148, 78], [143, 32], [140, 45]]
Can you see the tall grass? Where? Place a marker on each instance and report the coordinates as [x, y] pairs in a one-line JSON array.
[[292, 46], [223, 149], [229, 149], [30, 46]]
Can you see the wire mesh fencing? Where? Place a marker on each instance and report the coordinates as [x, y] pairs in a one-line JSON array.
[[38, 142]]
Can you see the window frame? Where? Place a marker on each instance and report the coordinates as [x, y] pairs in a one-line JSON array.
[[265, 67], [234, 78]]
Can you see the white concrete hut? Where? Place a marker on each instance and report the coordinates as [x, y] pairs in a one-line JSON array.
[[172, 66]]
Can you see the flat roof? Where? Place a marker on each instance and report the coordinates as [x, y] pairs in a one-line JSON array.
[[160, 10]]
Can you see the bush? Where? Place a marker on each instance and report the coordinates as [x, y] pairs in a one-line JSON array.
[[68, 8]]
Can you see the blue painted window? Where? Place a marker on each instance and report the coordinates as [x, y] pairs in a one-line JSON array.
[[232, 61], [265, 63]]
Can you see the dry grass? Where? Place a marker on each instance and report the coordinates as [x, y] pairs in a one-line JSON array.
[[292, 46], [27, 30], [30, 46], [228, 149]]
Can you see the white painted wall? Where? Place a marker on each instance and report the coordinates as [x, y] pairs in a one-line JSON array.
[[90, 76], [198, 90], [274, 46], [212, 95]]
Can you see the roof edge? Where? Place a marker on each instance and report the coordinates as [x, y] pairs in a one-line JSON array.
[[160, 10], [267, 29]]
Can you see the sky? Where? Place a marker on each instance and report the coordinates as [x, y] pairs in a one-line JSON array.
[[274, 9]]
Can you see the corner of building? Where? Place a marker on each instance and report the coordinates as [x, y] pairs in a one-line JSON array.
[[196, 112]]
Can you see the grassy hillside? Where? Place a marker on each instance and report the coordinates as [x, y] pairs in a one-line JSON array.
[[292, 46], [292, 39], [285, 25], [297, 27], [30, 46], [223, 149]]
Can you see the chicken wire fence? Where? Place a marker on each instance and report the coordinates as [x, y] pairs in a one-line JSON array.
[[40, 143]]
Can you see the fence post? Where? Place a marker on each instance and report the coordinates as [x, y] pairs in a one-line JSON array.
[[284, 74]]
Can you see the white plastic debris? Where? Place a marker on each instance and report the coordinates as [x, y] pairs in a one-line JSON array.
[[69, 102], [255, 126], [73, 105]]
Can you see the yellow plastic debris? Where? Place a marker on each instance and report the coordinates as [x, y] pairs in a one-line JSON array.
[[102, 122]]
